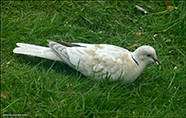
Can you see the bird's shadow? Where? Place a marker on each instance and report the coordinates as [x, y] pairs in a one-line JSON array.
[[46, 64]]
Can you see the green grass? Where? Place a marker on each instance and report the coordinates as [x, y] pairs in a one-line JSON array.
[[44, 88]]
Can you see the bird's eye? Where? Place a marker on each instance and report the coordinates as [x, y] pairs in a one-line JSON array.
[[148, 55]]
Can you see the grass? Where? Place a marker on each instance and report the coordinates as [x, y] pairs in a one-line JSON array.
[[43, 88]]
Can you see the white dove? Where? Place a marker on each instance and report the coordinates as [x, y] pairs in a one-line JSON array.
[[97, 61]]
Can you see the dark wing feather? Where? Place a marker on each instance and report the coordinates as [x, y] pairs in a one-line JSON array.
[[67, 44]]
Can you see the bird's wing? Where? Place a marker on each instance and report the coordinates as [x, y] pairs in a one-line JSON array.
[[68, 53], [97, 59]]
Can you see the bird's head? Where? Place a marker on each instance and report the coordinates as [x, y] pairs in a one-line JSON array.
[[145, 55]]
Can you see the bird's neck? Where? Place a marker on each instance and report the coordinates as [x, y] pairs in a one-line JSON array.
[[135, 60], [139, 60]]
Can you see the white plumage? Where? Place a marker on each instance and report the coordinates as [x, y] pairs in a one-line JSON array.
[[95, 60]]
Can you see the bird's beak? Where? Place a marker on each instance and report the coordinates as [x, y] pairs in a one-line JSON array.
[[156, 61]]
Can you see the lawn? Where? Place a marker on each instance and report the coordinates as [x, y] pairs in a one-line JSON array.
[[37, 87]]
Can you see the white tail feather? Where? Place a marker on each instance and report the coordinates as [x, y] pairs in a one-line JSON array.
[[38, 51]]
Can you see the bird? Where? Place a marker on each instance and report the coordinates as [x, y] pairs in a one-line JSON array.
[[97, 61]]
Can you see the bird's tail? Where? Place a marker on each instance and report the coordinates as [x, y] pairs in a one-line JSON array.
[[34, 50]]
